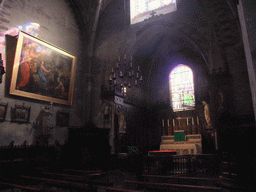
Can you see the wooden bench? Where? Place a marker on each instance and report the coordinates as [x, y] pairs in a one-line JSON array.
[[211, 181], [22, 187], [169, 187], [89, 178], [62, 184], [83, 172], [112, 189]]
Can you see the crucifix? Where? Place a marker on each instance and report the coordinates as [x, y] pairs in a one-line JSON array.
[[153, 13]]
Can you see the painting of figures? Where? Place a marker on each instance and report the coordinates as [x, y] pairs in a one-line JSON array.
[[42, 71]]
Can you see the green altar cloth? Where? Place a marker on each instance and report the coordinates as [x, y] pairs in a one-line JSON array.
[[179, 135]]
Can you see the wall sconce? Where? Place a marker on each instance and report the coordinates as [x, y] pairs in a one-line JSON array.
[[124, 75]]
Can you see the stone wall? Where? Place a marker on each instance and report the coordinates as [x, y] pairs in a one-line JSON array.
[[53, 22]]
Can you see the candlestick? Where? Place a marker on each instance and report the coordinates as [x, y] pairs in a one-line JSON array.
[[163, 122], [173, 122], [168, 123]]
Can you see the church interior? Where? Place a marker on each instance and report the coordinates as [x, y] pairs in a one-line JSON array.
[[127, 95]]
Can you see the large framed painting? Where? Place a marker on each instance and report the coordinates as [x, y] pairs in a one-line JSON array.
[[42, 71]]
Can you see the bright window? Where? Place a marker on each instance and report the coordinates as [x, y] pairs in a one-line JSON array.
[[182, 88], [142, 9]]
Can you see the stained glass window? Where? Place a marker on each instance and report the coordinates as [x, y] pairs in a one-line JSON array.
[[141, 9], [182, 88]]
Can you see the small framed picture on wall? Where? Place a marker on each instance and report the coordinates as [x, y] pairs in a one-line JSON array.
[[20, 114], [3, 110]]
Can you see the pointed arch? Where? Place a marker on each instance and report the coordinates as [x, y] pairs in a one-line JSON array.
[[181, 82]]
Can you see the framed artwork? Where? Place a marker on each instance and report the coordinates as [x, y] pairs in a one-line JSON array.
[[62, 118], [20, 114], [42, 71], [3, 109]]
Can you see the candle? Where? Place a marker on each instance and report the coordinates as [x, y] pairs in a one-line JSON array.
[[187, 121], [163, 122], [138, 68], [136, 82], [124, 57], [173, 122], [112, 70], [130, 64], [140, 78], [193, 121], [137, 75], [117, 65], [197, 120], [131, 58], [119, 58], [130, 73], [168, 123], [114, 75], [121, 73]]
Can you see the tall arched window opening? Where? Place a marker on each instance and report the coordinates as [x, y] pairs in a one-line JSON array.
[[143, 9], [182, 88]]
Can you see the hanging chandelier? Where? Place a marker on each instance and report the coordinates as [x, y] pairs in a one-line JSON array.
[[125, 75]]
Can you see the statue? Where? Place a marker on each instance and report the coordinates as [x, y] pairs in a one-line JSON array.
[[207, 114], [121, 122]]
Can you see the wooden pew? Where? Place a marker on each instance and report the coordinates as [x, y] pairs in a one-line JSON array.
[[169, 187], [92, 179], [22, 187], [112, 189], [82, 172], [210, 181], [63, 184]]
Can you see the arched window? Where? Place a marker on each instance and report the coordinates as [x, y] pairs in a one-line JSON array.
[[182, 88], [143, 9]]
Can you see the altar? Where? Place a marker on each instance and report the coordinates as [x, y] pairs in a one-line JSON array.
[[184, 135], [191, 146]]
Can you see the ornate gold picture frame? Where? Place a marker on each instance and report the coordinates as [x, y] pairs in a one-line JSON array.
[[42, 71]]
